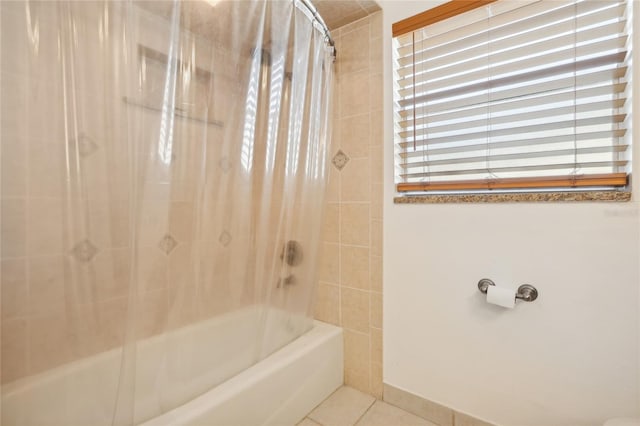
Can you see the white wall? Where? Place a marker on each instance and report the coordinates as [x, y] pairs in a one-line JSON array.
[[570, 358]]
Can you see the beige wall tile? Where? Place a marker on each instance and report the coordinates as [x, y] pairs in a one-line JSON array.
[[50, 342], [333, 186], [377, 131], [354, 224], [354, 89], [181, 221], [335, 113], [356, 360], [103, 175], [376, 237], [375, 53], [354, 24], [328, 303], [152, 313], [376, 84], [375, 154], [354, 267], [108, 225], [111, 323], [14, 228], [14, 288], [376, 201], [47, 165], [375, 23], [354, 308], [181, 270], [376, 273], [109, 274], [183, 304], [152, 269], [354, 51], [331, 226], [14, 349], [14, 168], [46, 232], [47, 284], [354, 135], [153, 222], [94, 293], [376, 309], [97, 327], [377, 386], [376, 345], [329, 263], [358, 189], [355, 181]]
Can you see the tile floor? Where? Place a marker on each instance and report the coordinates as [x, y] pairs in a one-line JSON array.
[[349, 407]]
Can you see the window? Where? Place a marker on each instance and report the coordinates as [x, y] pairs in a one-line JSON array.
[[513, 95]]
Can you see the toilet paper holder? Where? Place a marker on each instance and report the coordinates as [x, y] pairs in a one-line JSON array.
[[525, 292]]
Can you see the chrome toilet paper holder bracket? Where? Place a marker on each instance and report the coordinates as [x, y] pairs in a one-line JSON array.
[[525, 292]]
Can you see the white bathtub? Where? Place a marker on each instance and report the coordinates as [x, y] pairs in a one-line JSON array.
[[279, 390]]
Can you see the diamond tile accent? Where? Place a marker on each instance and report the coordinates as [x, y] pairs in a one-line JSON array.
[[225, 164], [86, 145], [167, 244], [340, 160], [84, 251], [225, 238]]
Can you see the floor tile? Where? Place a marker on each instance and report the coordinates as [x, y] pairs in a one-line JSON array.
[[465, 420], [383, 414], [308, 422], [420, 407], [343, 408]]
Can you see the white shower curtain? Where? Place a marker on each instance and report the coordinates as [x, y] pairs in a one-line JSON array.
[[170, 163]]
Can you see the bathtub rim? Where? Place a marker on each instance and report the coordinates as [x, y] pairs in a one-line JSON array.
[[321, 333]]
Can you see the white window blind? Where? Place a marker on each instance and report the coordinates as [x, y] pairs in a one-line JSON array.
[[515, 94]]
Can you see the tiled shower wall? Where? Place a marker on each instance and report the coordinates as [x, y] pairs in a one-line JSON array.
[[66, 251], [350, 287], [65, 245]]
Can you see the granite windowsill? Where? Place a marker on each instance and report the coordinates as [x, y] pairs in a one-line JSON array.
[[515, 197]]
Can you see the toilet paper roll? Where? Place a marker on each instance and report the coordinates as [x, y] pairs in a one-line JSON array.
[[501, 296]]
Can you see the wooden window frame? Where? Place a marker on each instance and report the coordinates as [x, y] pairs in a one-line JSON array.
[[437, 14]]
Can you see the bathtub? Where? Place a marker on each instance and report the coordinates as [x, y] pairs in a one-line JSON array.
[[278, 390]]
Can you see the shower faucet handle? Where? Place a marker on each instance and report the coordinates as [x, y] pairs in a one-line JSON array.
[[292, 253], [286, 281]]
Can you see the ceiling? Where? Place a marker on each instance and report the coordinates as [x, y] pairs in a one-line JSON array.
[[337, 13], [228, 18]]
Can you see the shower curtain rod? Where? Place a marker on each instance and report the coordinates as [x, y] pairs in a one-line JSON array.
[[317, 18]]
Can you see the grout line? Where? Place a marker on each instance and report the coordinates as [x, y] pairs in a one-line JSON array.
[[357, 114], [355, 245], [366, 411], [355, 202], [370, 213], [320, 403], [355, 28], [361, 333]]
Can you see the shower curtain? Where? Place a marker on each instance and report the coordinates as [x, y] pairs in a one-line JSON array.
[[163, 169]]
